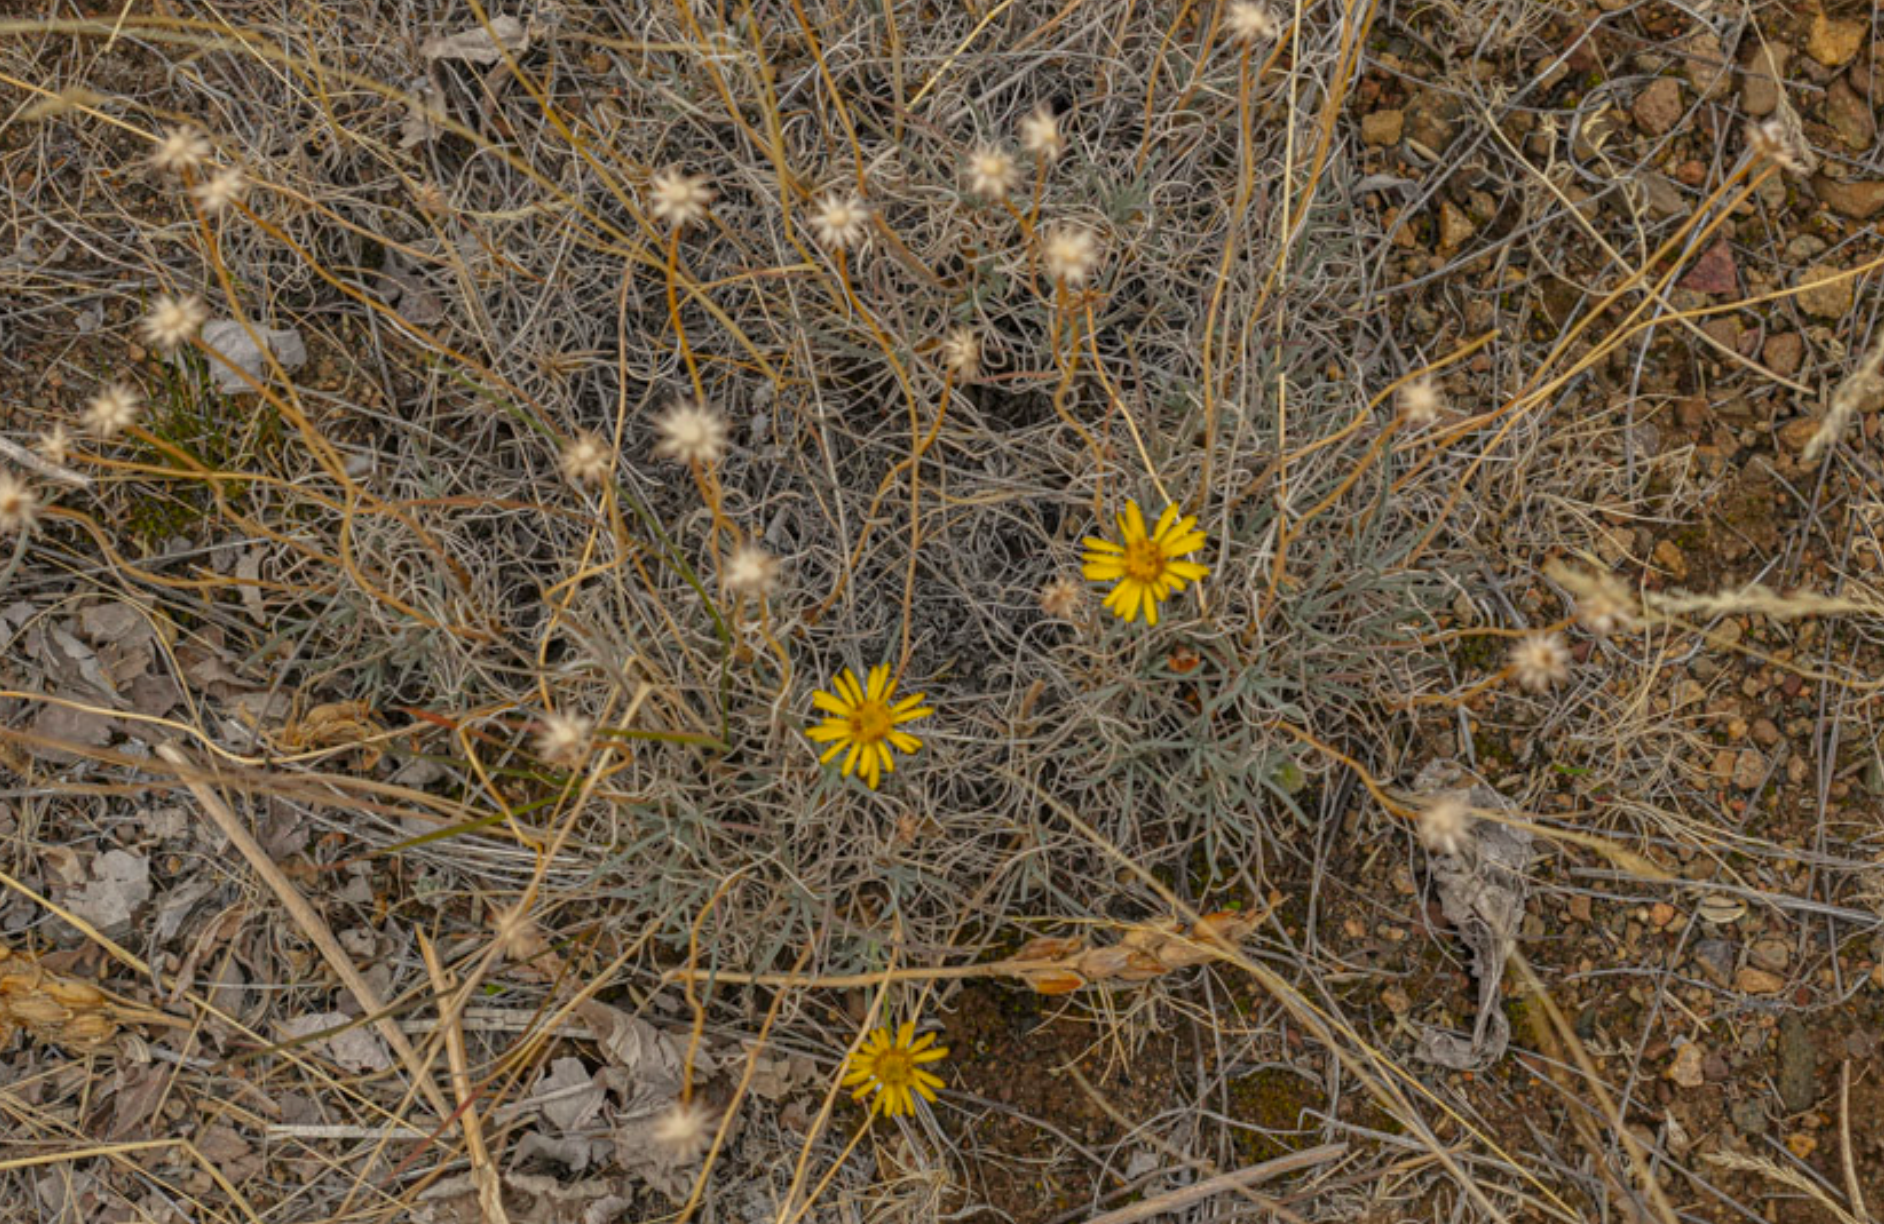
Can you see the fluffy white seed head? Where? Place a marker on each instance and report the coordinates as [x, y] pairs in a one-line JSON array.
[[1781, 142], [1445, 824], [563, 739], [1420, 402], [961, 353], [1041, 136], [174, 321], [55, 444], [112, 411], [1071, 253], [684, 1130], [840, 222], [1249, 23], [588, 459], [1062, 599], [1607, 606], [180, 149], [678, 199], [1540, 661], [992, 172], [751, 571], [19, 505], [220, 190], [692, 433]]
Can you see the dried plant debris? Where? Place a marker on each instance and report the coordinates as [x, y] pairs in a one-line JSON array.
[[1482, 890], [1143, 954], [53, 1008]]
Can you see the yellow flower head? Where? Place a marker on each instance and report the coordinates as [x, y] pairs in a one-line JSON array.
[[864, 720], [890, 1064], [1145, 565]]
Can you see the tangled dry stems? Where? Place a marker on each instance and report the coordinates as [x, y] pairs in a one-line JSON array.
[[657, 386]]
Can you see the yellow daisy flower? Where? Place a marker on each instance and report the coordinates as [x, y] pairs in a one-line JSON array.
[[863, 719], [1145, 564], [890, 1064]]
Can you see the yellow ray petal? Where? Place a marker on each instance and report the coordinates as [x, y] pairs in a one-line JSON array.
[[905, 742], [1190, 570], [1105, 546], [1135, 519], [878, 675], [1110, 570], [831, 752], [830, 704], [1165, 519]]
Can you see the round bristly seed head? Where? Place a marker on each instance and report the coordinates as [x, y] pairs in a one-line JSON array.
[[992, 172], [751, 571], [692, 433], [683, 1131], [220, 190], [1248, 22], [112, 411], [678, 199], [180, 149], [563, 739], [55, 444], [19, 505], [1445, 825], [838, 222], [1070, 253], [1420, 402], [174, 321], [961, 353], [588, 459], [1540, 661], [1040, 135], [1062, 599]]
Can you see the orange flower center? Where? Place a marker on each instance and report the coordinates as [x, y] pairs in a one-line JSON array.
[[1143, 561], [870, 723], [893, 1068]]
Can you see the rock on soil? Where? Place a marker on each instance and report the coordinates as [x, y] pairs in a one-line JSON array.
[[1860, 200], [1831, 301], [1658, 108]]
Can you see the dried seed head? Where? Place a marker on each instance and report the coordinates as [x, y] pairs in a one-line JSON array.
[[1445, 824], [961, 353], [1781, 140], [19, 505], [692, 433], [751, 571], [1062, 599], [220, 190], [1607, 606], [683, 1131], [1420, 402], [588, 459], [563, 739], [1540, 661], [838, 222], [992, 172], [678, 199], [55, 444], [182, 148], [174, 321], [1070, 253], [1040, 135], [112, 411], [1249, 23]]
